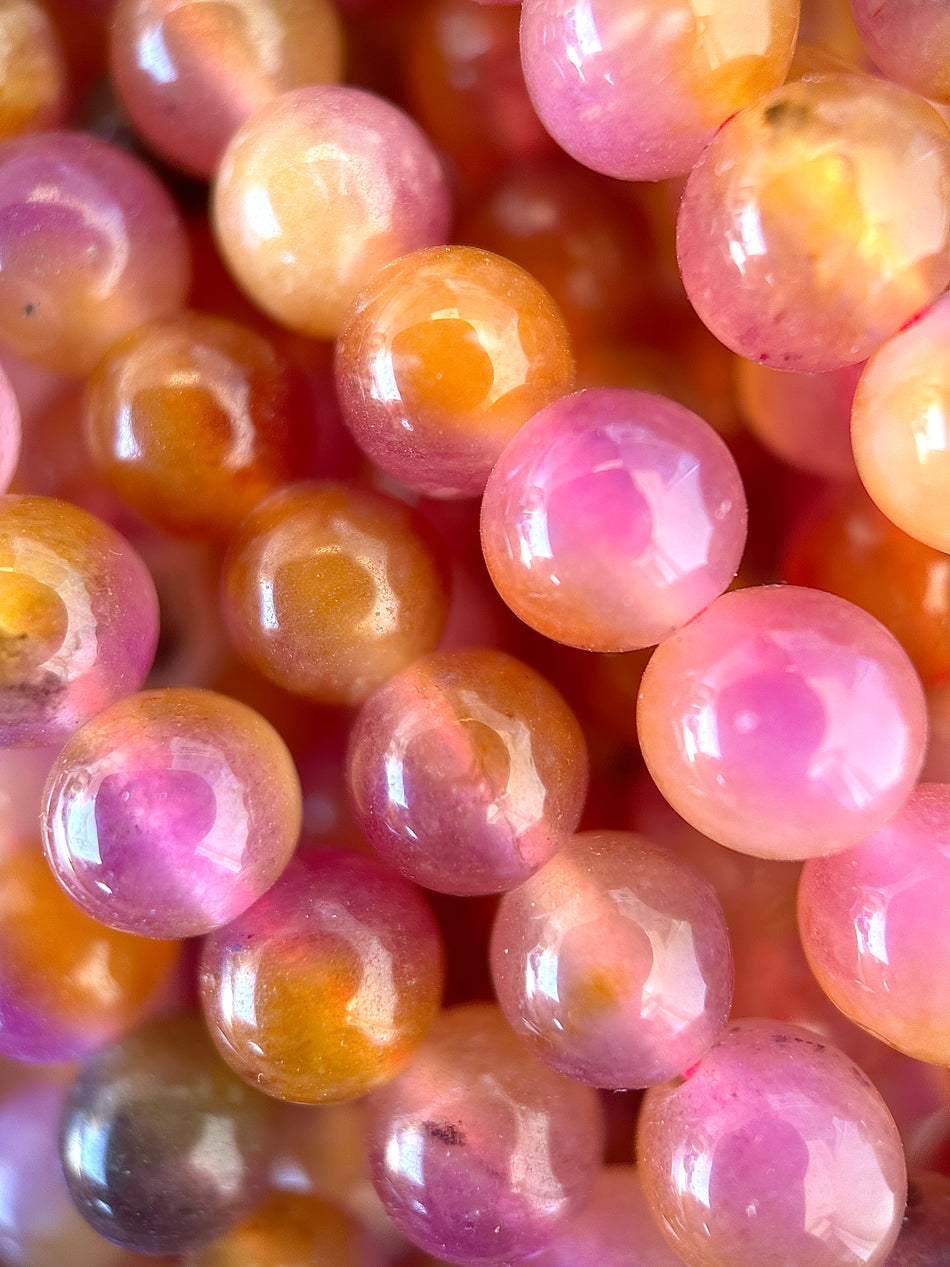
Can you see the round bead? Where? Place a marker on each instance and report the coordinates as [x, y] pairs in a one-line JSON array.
[[612, 518], [91, 246], [316, 192], [324, 988], [78, 619], [163, 1149], [613, 961], [900, 427], [466, 770], [444, 355], [770, 1129], [190, 73], [635, 90], [34, 82], [329, 590], [171, 812], [783, 722], [817, 222], [873, 925]]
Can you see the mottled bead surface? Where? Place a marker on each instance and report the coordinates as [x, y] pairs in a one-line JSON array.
[[34, 82], [478, 1151], [163, 1148], [324, 988], [909, 40], [466, 770], [776, 1150], [900, 427], [316, 192], [91, 246], [783, 722], [330, 589], [817, 222], [873, 924], [171, 812], [612, 518], [190, 73], [444, 355], [192, 421], [635, 89], [78, 619], [67, 983], [613, 961]]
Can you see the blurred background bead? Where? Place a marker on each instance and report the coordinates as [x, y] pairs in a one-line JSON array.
[[324, 988], [316, 192], [909, 40], [91, 245], [34, 80], [189, 74]]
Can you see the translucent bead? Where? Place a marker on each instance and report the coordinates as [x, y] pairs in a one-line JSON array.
[[635, 90], [78, 619], [91, 246], [818, 222], [466, 770], [316, 192], [325, 987], [443, 356], [613, 962], [169, 813], [189, 74], [612, 518], [783, 722], [872, 922], [479, 1152], [772, 1127]]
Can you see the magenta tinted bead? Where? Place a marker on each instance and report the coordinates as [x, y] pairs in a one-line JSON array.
[[612, 518], [91, 246], [776, 1150], [9, 431], [171, 812], [783, 722], [613, 961], [479, 1152]]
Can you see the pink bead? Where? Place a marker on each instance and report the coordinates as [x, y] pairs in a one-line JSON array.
[[9, 431], [874, 926], [614, 962], [612, 518], [783, 722], [776, 1151]]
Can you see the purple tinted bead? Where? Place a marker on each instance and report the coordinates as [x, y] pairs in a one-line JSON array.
[[612, 518]]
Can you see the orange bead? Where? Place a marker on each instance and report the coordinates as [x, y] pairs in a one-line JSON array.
[[33, 77], [442, 358], [329, 590]]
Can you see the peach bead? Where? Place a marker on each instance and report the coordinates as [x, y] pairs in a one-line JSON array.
[[190, 73], [317, 191], [329, 590], [442, 358], [33, 78], [900, 427]]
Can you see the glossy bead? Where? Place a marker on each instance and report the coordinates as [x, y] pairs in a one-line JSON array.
[[478, 1151], [171, 812], [316, 192], [466, 771], [818, 222], [443, 356], [613, 962], [163, 1148], [192, 421], [899, 427], [324, 988], [909, 40], [189, 74], [78, 619], [776, 1150], [91, 246], [67, 984], [873, 924], [330, 589], [783, 670], [612, 518], [9, 431], [34, 84], [636, 90]]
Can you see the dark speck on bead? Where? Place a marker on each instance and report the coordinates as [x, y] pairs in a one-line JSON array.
[[29, 309], [445, 1131]]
